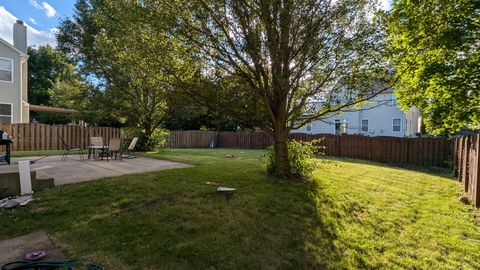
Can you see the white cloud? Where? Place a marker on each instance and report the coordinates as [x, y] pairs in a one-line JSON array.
[[34, 36], [49, 10], [32, 20], [35, 4]]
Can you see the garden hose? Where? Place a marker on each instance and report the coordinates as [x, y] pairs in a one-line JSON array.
[[29, 265]]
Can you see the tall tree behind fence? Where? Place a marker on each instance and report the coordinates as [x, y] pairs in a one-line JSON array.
[[28, 137], [466, 165], [415, 151]]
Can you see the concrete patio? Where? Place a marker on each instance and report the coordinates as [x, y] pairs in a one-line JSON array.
[[75, 170]]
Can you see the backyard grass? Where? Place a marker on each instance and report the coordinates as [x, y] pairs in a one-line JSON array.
[[352, 215]]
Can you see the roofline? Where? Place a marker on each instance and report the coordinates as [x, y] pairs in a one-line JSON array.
[[13, 48], [41, 108]]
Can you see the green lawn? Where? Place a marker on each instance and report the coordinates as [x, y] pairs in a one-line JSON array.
[[352, 215]]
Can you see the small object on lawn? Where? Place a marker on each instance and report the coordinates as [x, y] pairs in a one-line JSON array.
[[3, 202], [10, 204], [465, 199], [229, 155], [93, 266], [25, 202], [227, 191], [14, 202], [211, 183], [36, 255]]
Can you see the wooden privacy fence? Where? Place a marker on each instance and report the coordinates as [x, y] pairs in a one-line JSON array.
[[466, 152], [415, 151], [28, 137]]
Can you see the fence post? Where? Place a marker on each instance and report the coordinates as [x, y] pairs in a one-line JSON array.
[[465, 159], [475, 172]]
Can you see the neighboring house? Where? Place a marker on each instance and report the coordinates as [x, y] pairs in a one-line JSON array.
[[14, 107], [379, 117]]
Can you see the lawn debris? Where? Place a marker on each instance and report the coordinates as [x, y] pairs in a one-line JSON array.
[[465, 199], [227, 191], [15, 201], [230, 156], [35, 255], [211, 183]]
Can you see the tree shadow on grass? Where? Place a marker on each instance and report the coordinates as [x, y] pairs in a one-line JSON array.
[[428, 170], [309, 220]]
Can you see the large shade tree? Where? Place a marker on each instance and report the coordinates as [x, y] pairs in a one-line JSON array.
[[267, 60], [130, 60], [440, 41]]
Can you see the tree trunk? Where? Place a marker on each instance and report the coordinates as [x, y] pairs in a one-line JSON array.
[[148, 137], [281, 157]]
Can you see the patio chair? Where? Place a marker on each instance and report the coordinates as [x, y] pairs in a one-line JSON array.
[[114, 149], [96, 143], [130, 151], [69, 148]]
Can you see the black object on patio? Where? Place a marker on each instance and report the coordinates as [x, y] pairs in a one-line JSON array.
[[68, 148]]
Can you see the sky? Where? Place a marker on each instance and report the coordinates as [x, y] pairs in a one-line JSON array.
[[43, 17]]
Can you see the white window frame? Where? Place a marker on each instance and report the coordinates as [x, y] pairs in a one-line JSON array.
[[13, 68], [11, 111], [368, 125], [401, 124]]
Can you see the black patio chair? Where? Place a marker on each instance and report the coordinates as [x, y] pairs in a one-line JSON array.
[[68, 148]]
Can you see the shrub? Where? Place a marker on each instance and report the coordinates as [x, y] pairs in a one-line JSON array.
[[157, 140], [300, 154]]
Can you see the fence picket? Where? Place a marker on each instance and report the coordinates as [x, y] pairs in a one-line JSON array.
[[29, 137]]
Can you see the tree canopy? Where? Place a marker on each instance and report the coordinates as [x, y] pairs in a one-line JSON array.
[[261, 62], [132, 60], [439, 41], [47, 68], [267, 60], [53, 81]]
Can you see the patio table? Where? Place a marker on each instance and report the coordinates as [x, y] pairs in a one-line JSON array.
[[93, 148]]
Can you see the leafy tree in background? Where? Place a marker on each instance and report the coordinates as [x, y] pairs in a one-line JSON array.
[[46, 68], [266, 60], [440, 41], [184, 114], [53, 81], [132, 61]]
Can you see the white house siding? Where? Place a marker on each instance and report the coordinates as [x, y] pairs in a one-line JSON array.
[[380, 115]]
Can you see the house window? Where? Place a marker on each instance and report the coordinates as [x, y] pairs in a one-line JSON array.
[[6, 70], [365, 125], [338, 127], [397, 124], [309, 127], [5, 113]]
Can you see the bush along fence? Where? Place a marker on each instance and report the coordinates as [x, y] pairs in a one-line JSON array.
[[466, 152], [27, 137], [408, 151]]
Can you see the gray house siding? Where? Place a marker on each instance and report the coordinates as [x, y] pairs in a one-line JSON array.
[[14, 93]]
